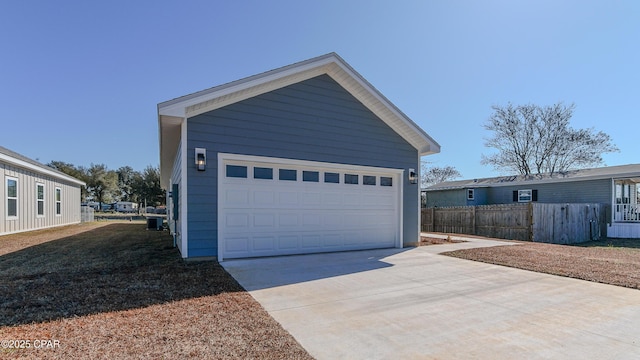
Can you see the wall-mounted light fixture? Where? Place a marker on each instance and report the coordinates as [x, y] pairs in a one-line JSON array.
[[201, 159], [413, 177]]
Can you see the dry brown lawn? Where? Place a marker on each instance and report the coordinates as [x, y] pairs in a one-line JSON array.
[[117, 291], [615, 262]]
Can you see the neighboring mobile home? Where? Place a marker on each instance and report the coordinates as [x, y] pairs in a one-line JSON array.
[[35, 196], [302, 159], [126, 206], [615, 186]]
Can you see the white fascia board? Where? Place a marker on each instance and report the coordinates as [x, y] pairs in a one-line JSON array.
[[40, 169], [179, 107]]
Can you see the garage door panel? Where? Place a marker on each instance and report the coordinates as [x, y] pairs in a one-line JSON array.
[[331, 200], [263, 243], [263, 198], [237, 220], [276, 217], [236, 244], [289, 220], [310, 242], [287, 198], [237, 197], [288, 242], [311, 220], [264, 220], [311, 199], [332, 240]]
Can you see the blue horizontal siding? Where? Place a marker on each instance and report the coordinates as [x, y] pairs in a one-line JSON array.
[[314, 120], [590, 191]]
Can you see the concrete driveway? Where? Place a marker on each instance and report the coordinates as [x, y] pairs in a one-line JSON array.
[[414, 303]]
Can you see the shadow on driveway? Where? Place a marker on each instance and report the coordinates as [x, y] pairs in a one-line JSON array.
[[262, 273]]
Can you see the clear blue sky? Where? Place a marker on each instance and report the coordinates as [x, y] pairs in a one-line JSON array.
[[80, 80]]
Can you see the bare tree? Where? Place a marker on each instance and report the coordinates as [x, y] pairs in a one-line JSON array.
[[435, 174], [531, 139]]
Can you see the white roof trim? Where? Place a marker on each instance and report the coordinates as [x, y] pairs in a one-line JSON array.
[[330, 64], [39, 169]]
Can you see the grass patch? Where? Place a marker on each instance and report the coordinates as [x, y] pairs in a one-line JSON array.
[[117, 290]]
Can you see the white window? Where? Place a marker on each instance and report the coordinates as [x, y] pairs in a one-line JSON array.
[[12, 198], [470, 194], [524, 195], [58, 201], [40, 200]]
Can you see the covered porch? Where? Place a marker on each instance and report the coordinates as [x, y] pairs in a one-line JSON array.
[[625, 210]]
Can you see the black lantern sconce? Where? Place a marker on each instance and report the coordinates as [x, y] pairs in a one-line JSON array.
[[413, 177], [201, 159]]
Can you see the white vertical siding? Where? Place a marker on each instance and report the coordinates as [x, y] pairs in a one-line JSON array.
[[28, 218], [624, 230]]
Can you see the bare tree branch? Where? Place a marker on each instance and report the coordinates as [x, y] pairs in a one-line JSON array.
[[531, 139]]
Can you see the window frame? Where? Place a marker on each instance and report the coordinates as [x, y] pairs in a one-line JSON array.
[[236, 171], [310, 176], [262, 173], [14, 198], [471, 194], [285, 174], [40, 200], [58, 200], [522, 197], [330, 176], [366, 180], [350, 178]]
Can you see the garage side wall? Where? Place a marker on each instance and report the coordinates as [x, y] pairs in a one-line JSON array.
[[315, 120]]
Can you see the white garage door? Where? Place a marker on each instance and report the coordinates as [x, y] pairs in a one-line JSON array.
[[271, 207]]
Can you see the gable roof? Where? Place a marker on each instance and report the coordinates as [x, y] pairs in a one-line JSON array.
[[608, 172], [16, 159], [171, 113]]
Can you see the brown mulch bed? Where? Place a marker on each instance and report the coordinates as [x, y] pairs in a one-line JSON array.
[[116, 291], [615, 262], [429, 240]]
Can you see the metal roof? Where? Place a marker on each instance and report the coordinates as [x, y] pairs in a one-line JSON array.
[[16, 159], [608, 172]]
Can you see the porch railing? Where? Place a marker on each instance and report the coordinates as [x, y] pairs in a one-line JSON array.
[[626, 212]]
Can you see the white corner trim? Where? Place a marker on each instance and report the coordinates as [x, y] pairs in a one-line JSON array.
[[220, 166], [184, 208], [401, 210]]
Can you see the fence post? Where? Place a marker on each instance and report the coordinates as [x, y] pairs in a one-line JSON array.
[[473, 220], [530, 208], [433, 219]]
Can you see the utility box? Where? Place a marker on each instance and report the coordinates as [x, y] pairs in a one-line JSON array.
[[154, 223]]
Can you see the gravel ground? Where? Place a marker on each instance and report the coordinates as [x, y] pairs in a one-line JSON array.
[[615, 262], [117, 291]]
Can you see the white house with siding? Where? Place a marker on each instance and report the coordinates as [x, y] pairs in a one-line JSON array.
[[35, 196]]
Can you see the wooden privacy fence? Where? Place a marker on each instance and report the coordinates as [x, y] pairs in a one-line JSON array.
[[550, 223]]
